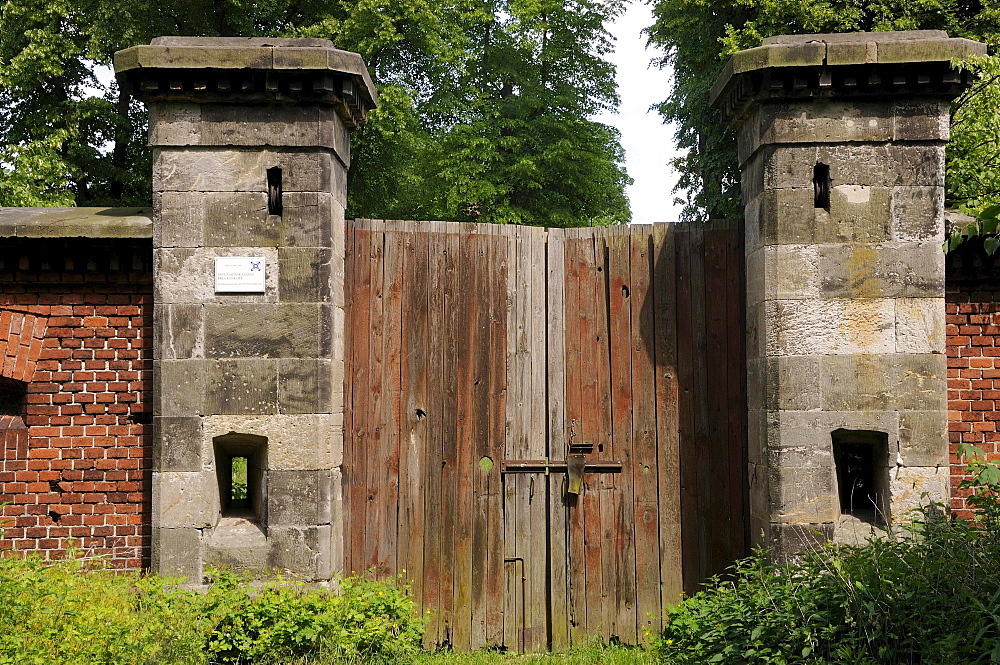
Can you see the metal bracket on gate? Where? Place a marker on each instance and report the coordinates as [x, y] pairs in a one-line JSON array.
[[575, 466]]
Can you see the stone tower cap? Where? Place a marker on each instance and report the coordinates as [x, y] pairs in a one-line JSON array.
[[249, 70], [848, 65]]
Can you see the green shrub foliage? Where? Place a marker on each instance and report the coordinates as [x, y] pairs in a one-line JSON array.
[[73, 613], [930, 597]]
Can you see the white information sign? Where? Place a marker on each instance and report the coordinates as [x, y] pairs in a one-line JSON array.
[[239, 274]]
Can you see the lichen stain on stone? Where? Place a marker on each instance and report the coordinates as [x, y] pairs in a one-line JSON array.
[[861, 324], [861, 268]]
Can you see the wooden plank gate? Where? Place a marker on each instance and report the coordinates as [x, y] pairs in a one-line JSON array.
[[545, 430]]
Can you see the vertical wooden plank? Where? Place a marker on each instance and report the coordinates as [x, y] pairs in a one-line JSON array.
[[374, 517], [556, 366], [736, 362], [619, 305], [362, 396], [386, 539], [485, 273], [496, 435], [591, 297], [700, 390], [646, 506], [356, 302], [467, 343], [686, 412], [668, 454], [719, 520], [434, 515], [514, 601], [607, 484], [413, 373], [618, 546], [576, 546], [537, 441]]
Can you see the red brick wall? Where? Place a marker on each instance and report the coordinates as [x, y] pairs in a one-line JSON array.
[[973, 325], [80, 471]]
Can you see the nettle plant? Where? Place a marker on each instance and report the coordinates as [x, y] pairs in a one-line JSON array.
[[983, 478]]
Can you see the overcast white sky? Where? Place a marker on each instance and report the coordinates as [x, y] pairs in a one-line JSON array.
[[647, 141]]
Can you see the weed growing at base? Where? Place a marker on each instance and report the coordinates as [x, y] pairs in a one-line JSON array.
[[74, 613], [933, 597]]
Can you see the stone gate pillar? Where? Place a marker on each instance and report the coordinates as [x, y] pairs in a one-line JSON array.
[[251, 146], [841, 148]]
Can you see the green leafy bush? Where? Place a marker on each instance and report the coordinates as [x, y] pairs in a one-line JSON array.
[[75, 613], [930, 598], [70, 612], [282, 621]]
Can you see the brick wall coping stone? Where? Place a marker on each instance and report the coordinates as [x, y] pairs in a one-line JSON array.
[[76, 223], [860, 64], [240, 70]]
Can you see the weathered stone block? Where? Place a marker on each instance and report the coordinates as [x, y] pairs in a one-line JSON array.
[[753, 227], [307, 219], [911, 270], [187, 275], [178, 553], [911, 488], [858, 213], [792, 272], [851, 53], [825, 121], [857, 382], [921, 119], [833, 326], [297, 550], [241, 170], [757, 332], [918, 214], [793, 383], [173, 124], [923, 438], [238, 544], [239, 219], [787, 540], [178, 387], [241, 386], [177, 444], [304, 385], [929, 50], [264, 331], [888, 165], [788, 216], [179, 331], [294, 441], [305, 274], [185, 499], [920, 325], [296, 497], [756, 436], [823, 423], [803, 494], [177, 219], [230, 125], [921, 382]]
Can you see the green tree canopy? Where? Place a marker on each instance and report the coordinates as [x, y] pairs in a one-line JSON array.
[[699, 35], [484, 114]]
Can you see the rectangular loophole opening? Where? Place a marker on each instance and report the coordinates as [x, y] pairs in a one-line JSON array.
[[821, 186], [274, 203], [862, 473], [241, 463]]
